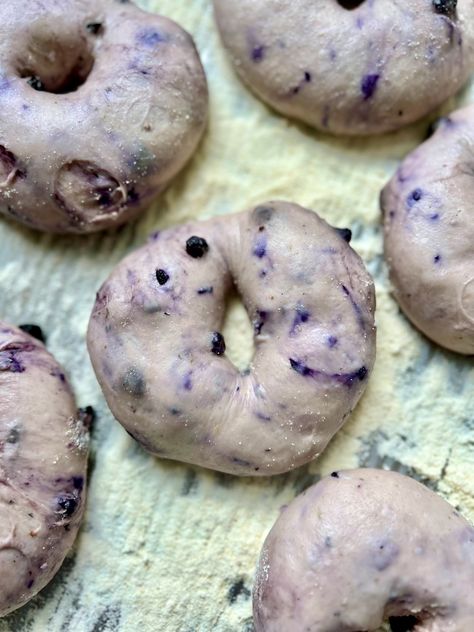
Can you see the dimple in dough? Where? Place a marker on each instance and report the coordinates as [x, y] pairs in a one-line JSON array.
[[429, 233], [43, 462], [363, 546], [101, 105], [157, 350], [350, 67]]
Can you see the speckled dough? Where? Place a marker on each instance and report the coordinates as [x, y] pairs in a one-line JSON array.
[[159, 356], [429, 234], [368, 68], [101, 104], [43, 462], [361, 547]]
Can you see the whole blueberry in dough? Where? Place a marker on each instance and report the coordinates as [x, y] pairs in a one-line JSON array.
[[350, 66], [429, 234], [157, 347], [43, 463], [101, 105], [362, 547]]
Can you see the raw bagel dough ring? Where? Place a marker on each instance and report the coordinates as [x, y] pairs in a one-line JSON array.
[[101, 105], [368, 70], [363, 546], [43, 463], [429, 234], [158, 354]]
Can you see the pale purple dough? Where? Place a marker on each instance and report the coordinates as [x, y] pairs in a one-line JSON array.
[[101, 105], [155, 342], [361, 547], [429, 233], [43, 465], [349, 67]]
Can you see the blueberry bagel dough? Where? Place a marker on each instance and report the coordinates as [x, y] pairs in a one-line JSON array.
[[348, 66], [101, 104], [156, 346], [429, 234], [43, 461], [365, 546]]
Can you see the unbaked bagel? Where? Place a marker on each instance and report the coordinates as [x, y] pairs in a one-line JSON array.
[[429, 233], [158, 352], [43, 462], [101, 104], [350, 66], [362, 547]]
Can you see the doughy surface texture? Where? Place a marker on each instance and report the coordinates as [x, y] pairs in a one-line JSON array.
[[158, 352], [362, 546], [101, 104], [43, 463], [429, 233], [350, 67], [170, 546]]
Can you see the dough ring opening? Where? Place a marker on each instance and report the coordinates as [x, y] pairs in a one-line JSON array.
[[350, 5], [59, 63]]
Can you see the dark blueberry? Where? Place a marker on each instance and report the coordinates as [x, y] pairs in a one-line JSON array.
[[368, 85], [13, 435], [218, 343], [196, 247], [36, 83], [403, 624], [361, 374], [263, 214], [33, 330], [437, 258], [162, 276], [133, 382], [30, 583], [445, 7], [206, 290], [258, 53], [332, 341], [66, 505], [78, 482], [86, 415], [335, 474], [345, 233], [301, 368], [238, 588], [94, 27], [307, 76]]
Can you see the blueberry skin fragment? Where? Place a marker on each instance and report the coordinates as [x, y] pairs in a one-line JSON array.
[[218, 343], [369, 86], [67, 505], [94, 27], [34, 331], [162, 276], [196, 247], [36, 83], [345, 233], [445, 7]]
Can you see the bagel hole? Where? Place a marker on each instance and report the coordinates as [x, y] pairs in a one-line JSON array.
[[58, 65], [350, 5], [403, 624], [238, 332]]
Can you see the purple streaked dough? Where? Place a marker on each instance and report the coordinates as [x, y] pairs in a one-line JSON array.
[[429, 234], [43, 465], [101, 105], [365, 546], [156, 346], [348, 66]]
